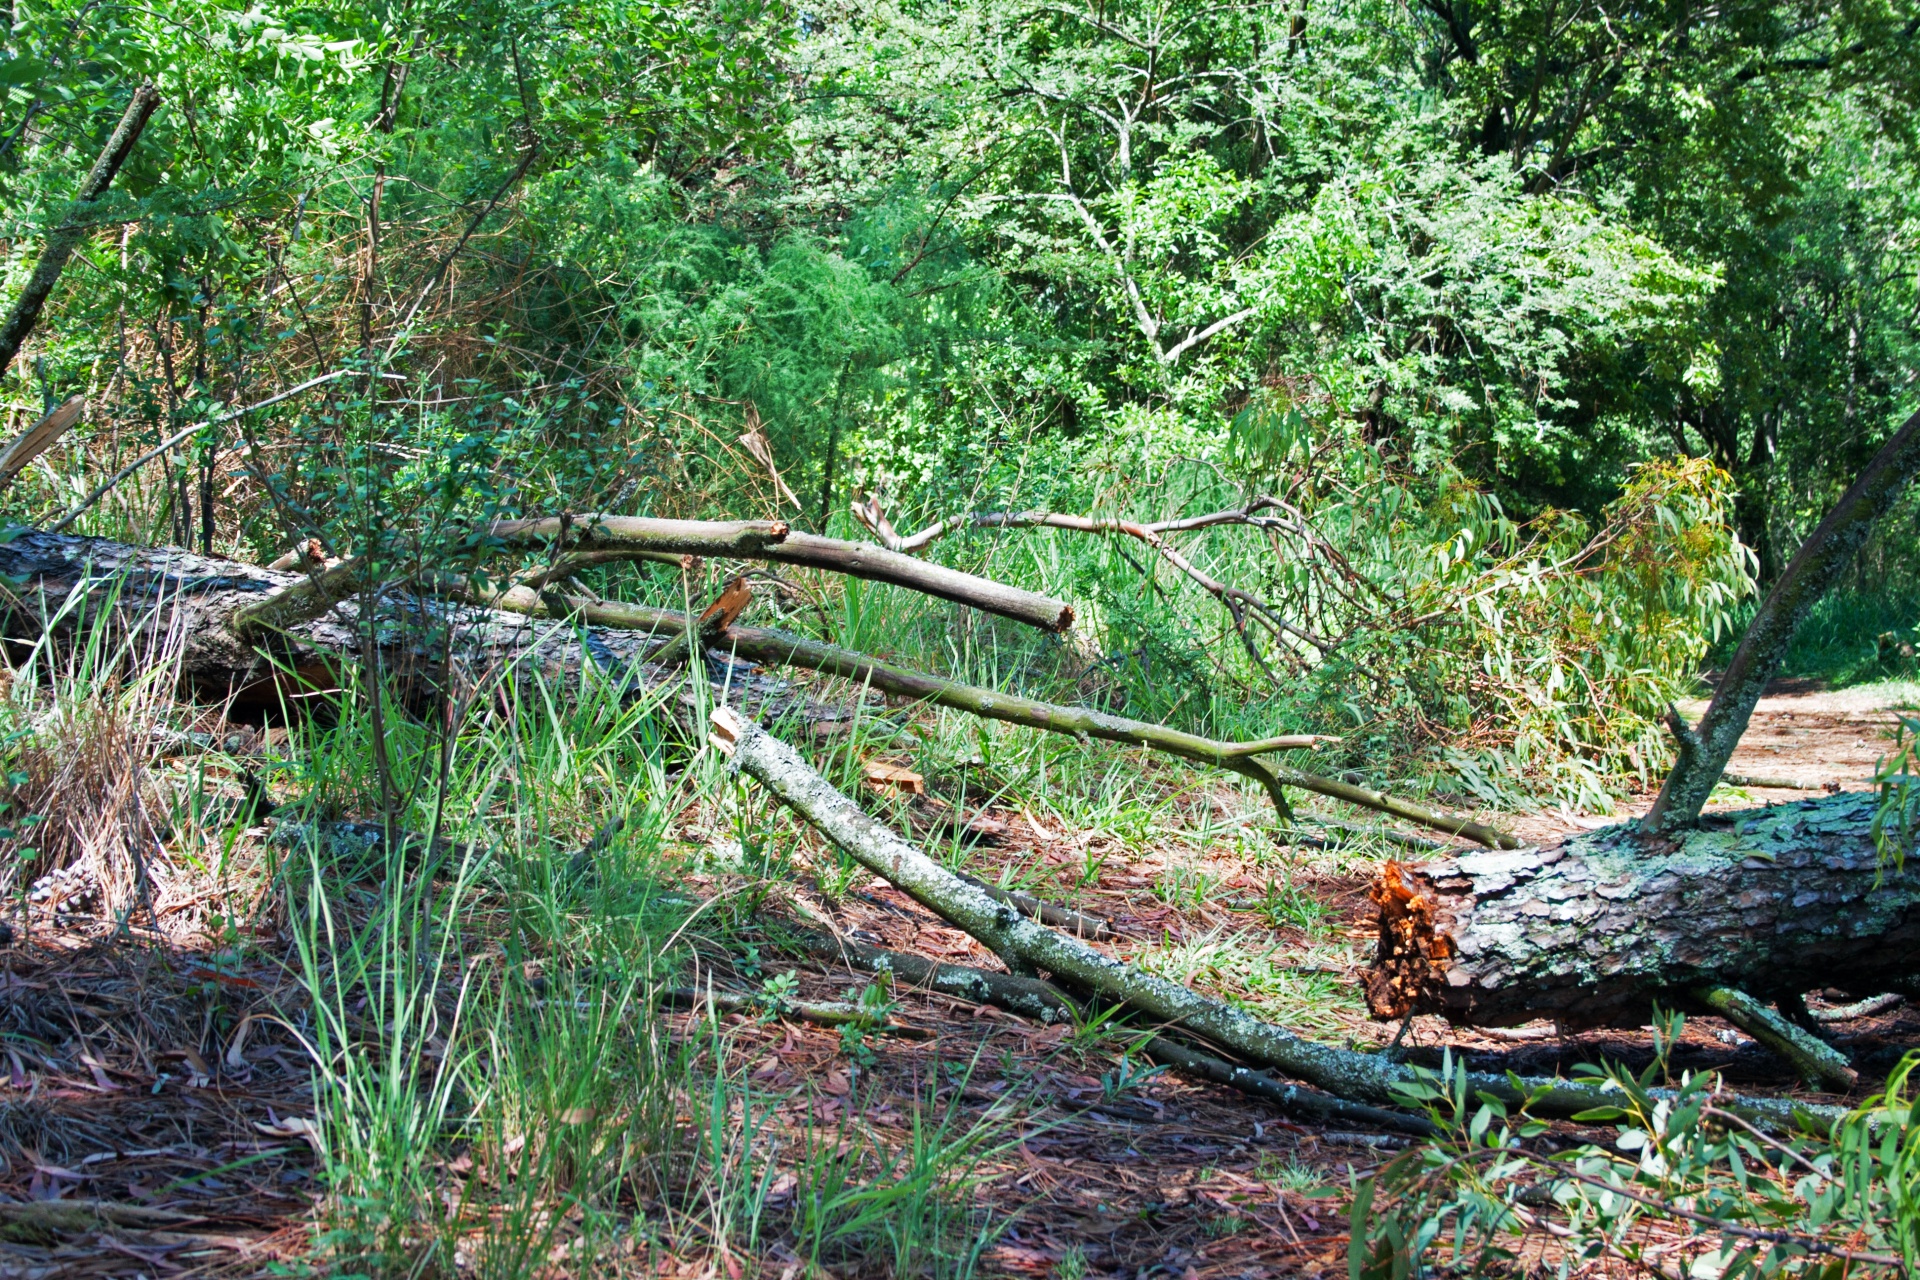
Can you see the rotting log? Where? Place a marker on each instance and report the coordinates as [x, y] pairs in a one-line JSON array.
[[182, 607], [1358, 1077], [1774, 902], [772, 541]]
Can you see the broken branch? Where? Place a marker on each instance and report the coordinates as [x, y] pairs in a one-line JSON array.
[[1360, 1077], [772, 541]]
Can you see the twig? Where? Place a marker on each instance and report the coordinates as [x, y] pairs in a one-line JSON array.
[[1863, 1009], [180, 438]]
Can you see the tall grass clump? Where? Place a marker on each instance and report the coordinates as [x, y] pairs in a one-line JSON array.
[[83, 716], [496, 1089]]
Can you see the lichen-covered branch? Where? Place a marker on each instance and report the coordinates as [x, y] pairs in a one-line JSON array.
[[773, 541]]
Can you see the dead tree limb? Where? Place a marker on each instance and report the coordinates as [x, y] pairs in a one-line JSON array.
[[778, 648], [39, 438], [1359, 1077], [65, 238], [1240, 604], [1043, 1002], [1704, 749], [771, 541], [1775, 902], [61, 583], [774, 647], [1817, 1062]]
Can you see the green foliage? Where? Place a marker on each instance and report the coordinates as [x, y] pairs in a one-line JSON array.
[[1685, 1186]]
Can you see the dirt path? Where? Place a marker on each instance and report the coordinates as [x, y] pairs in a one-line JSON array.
[[1823, 739]]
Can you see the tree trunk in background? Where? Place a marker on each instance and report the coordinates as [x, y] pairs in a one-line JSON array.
[[63, 239], [1705, 749], [1775, 902]]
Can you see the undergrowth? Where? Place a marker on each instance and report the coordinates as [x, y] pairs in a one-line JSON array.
[[1685, 1189]]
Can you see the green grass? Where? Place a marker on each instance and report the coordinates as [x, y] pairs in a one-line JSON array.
[[1840, 643]]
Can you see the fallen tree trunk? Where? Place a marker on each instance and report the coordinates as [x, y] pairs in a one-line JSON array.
[[180, 607], [1774, 902], [1358, 1077]]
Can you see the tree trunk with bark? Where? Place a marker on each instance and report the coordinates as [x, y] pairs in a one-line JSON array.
[[184, 608], [1775, 902]]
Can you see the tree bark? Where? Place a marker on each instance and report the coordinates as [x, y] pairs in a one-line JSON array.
[[1358, 1077], [1774, 902], [771, 541], [183, 607], [1705, 748], [64, 238]]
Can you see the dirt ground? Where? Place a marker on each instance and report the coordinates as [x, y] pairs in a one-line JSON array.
[[180, 1155]]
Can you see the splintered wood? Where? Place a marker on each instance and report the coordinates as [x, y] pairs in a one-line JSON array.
[[1412, 954], [891, 777]]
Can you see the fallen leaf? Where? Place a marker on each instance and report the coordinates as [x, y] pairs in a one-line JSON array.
[[239, 1042], [201, 1074], [293, 1127]]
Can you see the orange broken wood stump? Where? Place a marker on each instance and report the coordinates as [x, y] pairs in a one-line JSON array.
[[1412, 957], [892, 777]]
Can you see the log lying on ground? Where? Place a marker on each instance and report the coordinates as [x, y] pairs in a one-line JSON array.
[[1774, 902], [181, 607], [1359, 1077], [772, 541]]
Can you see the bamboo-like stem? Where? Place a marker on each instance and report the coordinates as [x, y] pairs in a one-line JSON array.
[[1360, 1077], [1817, 1062]]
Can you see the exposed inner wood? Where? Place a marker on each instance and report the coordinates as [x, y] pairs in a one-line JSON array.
[[1774, 902]]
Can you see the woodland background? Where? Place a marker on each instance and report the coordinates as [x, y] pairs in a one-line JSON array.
[[1525, 311], [1529, 339]]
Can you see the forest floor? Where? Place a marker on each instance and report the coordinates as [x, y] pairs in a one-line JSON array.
[[175, 1152]]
